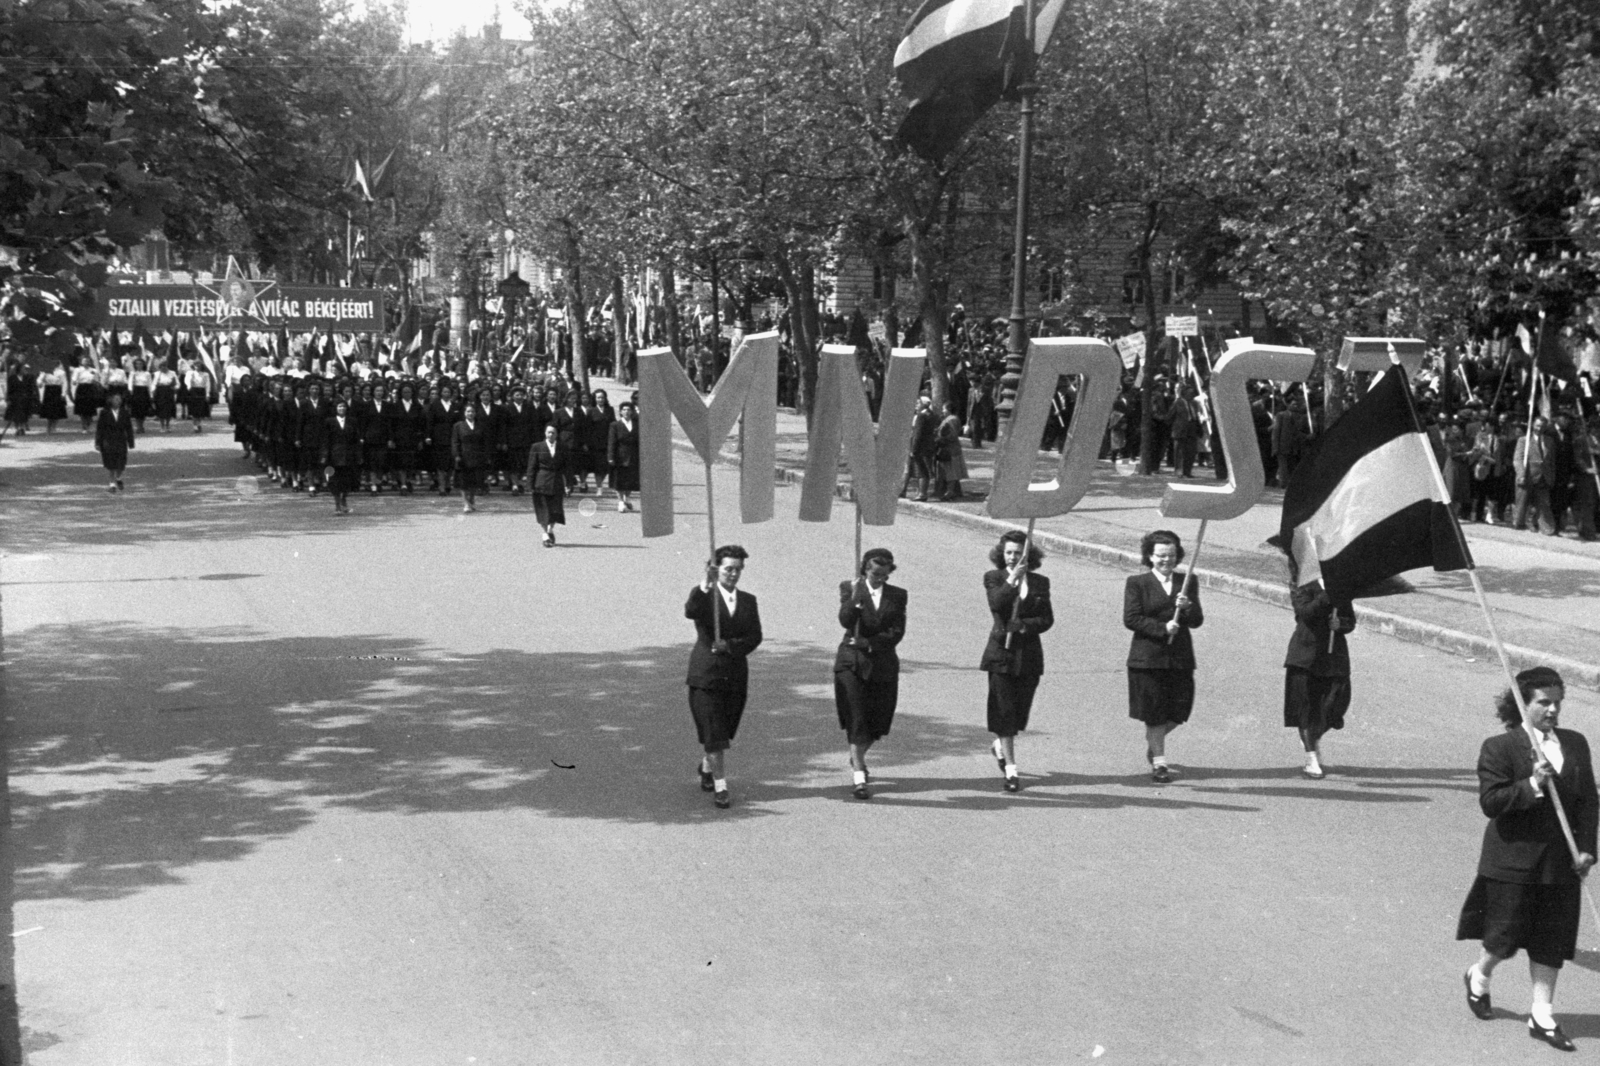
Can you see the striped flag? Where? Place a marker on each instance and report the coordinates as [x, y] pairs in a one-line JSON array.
[[1366, 503], [958, 59]]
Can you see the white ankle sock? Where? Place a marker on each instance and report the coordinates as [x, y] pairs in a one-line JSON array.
[[1161, 760], [1543, 1015], [1480, 983], [1011, 769], [860, 777], [722, 784]]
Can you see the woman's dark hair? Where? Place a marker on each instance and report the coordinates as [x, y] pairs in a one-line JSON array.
[[997, 554], [728, 551], [1505, 704], [877, 555], [1154, 537]]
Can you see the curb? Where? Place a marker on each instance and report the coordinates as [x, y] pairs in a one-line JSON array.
[[1576, 674]]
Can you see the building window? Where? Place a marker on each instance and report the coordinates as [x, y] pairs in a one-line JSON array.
[[883, 282], [1052, 284]]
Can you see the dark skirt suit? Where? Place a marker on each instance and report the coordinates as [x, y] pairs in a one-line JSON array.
[[1160, 675], [113, 436], [373, 418], [471, 450], [547, 483], [718, 684], [1316, 681], [441, 417], [342, 450], [1014, 672], [1526, 894], [408, 428], [622, 456], [866, 682], [310, 428], [520, 430]]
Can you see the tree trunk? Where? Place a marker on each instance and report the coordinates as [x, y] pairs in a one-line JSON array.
[[575, 315], [669, 304], [1333, 382], [932, 312], [619, 333], [800, 286]]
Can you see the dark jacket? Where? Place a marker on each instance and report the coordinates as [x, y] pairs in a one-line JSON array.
[[881, 627], [471, 443], [1313, 616], [113, 436], [741, 632], [1025, 657], [1523, 842], [622, 446], [521, 428], [342, 447], [545, 471], [407, 429], [1146, 609]]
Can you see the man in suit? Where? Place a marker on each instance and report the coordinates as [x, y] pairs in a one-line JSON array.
[[727, 629], [1184, 424], [924, 445], [1526, 894]]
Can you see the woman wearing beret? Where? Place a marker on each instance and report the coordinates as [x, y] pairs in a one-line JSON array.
[[866, 670], [1156, 607], [1316, 669], [727, 628], [1526, 894], [1019, 606]]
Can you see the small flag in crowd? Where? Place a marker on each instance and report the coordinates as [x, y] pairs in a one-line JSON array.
[[1365, 504], [958, 59]]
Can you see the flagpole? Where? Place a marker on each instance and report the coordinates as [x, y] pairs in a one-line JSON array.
[[711, 533], [1016, 604], [1494, 632], [1188, 578], [1017, 339]]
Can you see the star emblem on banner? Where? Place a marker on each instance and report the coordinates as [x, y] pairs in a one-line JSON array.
[[237, 294]]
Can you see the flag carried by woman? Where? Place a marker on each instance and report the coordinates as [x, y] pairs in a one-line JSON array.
[[1368, 501]]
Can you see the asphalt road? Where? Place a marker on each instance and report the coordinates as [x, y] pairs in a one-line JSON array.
[[294, 789]]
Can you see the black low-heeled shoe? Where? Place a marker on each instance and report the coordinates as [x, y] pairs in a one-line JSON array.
[[1552, 1036], [1013, 784], [707, 782], [722, 799], [1480, 1006], [861, 792]]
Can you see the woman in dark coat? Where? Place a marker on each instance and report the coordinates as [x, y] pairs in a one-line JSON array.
[[407, 422], [1526, 894], [866, 670], [341, 450], [547, 468], [1156, 607], [443, 413], [1316, 669], [622, 455], [1019, 606], [113, 439], [727, 628], [470, 453]]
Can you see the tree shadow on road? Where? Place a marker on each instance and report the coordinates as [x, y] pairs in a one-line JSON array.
[[138, 752]]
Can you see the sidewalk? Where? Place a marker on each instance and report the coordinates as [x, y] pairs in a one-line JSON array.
[[1542, 589]]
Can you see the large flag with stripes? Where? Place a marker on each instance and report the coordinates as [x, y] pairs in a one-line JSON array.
[[1366, 503], [958, 59]]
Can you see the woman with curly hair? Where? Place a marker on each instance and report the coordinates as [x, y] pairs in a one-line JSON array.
[[1019, 607]]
